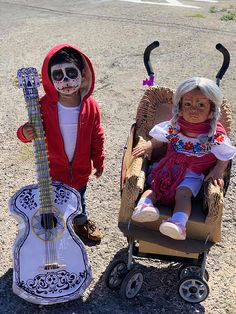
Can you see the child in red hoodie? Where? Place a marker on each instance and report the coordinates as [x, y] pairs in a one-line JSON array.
[[71, 121]]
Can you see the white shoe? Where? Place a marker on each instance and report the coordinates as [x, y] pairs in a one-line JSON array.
[[145, 213], [173, 230]]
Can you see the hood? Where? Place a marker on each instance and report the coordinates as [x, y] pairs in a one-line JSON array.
[[87, 85]]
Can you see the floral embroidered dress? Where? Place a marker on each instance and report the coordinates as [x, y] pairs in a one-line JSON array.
[[185, 154]]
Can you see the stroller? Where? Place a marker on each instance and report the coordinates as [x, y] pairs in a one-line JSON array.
[[144, 239]]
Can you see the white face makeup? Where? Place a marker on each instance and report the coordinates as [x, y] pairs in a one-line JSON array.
[[66, 78]]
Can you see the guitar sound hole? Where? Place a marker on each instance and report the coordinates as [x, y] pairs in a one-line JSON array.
[[48, 221]]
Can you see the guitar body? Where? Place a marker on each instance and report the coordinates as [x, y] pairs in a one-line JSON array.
[[35, 278], [50, 261]]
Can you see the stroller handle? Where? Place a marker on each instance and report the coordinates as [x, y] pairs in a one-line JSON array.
[[146, 56], [225, 65]]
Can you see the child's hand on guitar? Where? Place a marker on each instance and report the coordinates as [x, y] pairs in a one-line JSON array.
[[29, 132]]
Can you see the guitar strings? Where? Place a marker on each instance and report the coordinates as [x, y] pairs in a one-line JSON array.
[[44, 180]]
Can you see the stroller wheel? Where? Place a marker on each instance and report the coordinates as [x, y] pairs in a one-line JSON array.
[[193, 289], [131, 284], [115, 274], [187, 270]]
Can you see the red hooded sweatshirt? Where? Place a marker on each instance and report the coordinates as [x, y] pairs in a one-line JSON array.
[[89, 149]]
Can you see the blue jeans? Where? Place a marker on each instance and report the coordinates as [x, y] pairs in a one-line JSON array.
[[82, 218]]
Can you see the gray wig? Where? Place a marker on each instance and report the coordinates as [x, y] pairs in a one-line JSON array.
[[208, 89]]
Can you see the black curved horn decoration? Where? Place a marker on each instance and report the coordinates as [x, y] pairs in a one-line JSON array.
[[225, 65], [146, 56]]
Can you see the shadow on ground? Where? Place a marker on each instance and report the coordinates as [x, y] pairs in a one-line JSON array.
[[157, 295]]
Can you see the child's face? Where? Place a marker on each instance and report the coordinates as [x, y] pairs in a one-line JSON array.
[[195, 107], [66, 78]]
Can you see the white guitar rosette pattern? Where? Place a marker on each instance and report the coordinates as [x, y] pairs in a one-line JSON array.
[[32, 280]]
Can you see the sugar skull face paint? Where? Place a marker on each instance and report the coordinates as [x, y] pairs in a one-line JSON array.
[[66, 78]]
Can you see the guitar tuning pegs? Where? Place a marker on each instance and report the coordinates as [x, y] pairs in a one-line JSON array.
[[26, 75]]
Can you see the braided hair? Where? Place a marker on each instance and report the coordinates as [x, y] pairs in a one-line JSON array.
[[209, 89]]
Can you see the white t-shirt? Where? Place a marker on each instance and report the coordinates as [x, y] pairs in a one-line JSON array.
[[68, 121], [220, 145]]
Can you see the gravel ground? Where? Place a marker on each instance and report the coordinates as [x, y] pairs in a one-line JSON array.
[[114, 35]]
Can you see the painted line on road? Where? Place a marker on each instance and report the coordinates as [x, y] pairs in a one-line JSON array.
[[211, 1], [173, 3]]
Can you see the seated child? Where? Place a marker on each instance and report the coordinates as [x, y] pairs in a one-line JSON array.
[[197, 144]]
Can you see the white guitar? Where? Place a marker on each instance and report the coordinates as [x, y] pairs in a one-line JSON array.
[[50, 261]]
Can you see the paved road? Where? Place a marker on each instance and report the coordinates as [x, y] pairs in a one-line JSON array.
[[114, 34]]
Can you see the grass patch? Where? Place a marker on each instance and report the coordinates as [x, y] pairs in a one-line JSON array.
[[213, 10], [197, 15], [230, 13], [229, 16]]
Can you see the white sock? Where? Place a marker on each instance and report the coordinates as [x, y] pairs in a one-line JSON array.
[[180, 217], [145, 200]]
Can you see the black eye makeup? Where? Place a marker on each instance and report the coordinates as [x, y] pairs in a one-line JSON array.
[[71, 73], [57, 75]]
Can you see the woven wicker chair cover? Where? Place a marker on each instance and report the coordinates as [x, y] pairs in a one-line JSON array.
[[154, 107]]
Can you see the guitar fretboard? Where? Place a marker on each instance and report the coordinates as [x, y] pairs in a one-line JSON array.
[[40, 149]]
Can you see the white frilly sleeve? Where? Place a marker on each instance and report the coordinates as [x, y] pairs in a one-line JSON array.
[[224, 150], [160, 131]]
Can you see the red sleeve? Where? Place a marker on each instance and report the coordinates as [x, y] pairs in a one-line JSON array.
[[97, 141], [20, 134]]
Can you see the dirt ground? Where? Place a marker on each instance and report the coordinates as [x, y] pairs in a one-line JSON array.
[[114, 35]]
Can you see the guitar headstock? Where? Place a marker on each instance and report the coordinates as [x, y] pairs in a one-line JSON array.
[[28, 78]]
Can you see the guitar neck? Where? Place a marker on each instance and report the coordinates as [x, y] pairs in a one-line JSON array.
[[40, 149]]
